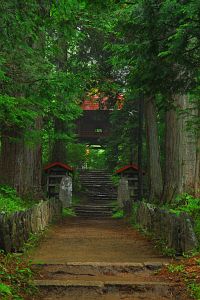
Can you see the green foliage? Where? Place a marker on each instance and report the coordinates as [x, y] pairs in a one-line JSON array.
[[188, 277], [16, 111], [16, 277], [40, 74], [10, 202], [33, 242], [123, 139], [134, 213], [76, 154], [162, 246], [49, 61], [194, 289], [189, 204], [155, 49], [96, 159], [118, 214], [197, 261], [175, 268], [76, 199], [5, 290], [68, 212], [80, 155], [115, 180]]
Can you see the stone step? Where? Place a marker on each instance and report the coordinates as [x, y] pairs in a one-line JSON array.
[[81, 211], [93, 214], [102, 280], [109, 198], [97, 183], [96, 172], [99, 191], [92, 176], [94, 207], [98, 203], [106, 198], [138, 290], [95, 177], [97, 268]]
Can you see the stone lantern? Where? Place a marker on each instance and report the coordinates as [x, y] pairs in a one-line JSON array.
[[130, 173], [59, 182]]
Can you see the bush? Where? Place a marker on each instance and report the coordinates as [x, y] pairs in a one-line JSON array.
[[68, 212], [189, 204], [118, 214], [10, 202]]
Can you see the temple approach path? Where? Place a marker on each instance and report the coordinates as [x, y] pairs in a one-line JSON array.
[[93, 259]]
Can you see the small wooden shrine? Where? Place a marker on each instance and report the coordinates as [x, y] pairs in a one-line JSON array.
[[131, 173], [55, 172]]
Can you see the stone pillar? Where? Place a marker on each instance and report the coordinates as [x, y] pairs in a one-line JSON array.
[[65, 192], [123, 196]]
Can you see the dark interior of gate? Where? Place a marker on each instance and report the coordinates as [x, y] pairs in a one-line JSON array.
[[94, 126]]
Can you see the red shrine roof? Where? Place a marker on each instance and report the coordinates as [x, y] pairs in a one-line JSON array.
[[59, 164], [97, 103], [132, 166]]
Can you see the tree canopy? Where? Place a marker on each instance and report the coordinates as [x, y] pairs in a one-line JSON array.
[[53, 53]]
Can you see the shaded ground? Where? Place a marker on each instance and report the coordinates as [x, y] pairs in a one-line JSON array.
[[82, 240]]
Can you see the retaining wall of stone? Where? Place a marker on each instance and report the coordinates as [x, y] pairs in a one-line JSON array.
[[16, 228], [176, 231]]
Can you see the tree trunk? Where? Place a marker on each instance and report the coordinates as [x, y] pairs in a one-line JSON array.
[[197, 171], [154, 166], [21, 165], [140, 148], [181, 152], [59, 152]]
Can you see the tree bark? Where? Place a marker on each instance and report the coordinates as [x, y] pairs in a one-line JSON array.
[[181, 161], [154, 166], [197, 170], [59, 152], [140, 148], [21, 164]]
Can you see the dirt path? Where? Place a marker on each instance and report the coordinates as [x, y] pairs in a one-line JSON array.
[[83, 240], [98, 259]]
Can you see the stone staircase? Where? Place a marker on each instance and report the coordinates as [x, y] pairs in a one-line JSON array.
[[100, 193], [106, 281], [88, 259]]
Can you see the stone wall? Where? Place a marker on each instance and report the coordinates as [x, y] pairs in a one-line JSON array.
[[16, 228], [176, 231]]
